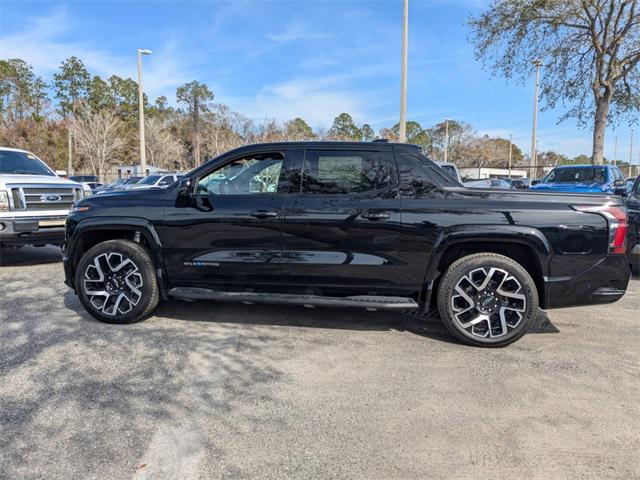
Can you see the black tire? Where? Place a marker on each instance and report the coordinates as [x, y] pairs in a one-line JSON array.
[[144, 277], [493, 304]]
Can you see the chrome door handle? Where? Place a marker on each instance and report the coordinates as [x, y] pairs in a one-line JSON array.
[[375, 216], [264, 214]]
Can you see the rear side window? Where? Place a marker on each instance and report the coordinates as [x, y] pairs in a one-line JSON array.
[[336, 172], [419, 178]]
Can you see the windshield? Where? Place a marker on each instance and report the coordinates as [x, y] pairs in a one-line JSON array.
[[150, 180], [22, 163], [577, 175], [450, 170], [132, 180]]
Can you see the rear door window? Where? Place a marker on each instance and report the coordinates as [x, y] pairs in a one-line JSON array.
[[341, 172]]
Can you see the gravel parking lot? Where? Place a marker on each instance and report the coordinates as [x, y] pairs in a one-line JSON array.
[[205, 390]]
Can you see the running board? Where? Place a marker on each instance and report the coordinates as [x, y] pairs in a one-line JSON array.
[[370, 302]]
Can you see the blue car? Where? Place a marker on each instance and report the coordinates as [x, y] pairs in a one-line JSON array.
[[584, 179]]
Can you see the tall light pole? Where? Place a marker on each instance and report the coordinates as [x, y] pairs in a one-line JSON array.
[[143, 153], [534, 160], [402, 130], [510, 150], [446, 139], [630, 153], [615, 150]]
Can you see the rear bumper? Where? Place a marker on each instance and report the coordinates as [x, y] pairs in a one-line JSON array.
[[604, 282], [32, 230], [634, 257]]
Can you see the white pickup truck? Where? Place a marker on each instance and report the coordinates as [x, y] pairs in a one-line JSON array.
[[34, 201]]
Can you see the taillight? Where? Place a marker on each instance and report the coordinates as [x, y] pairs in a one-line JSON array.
[[618, 225]]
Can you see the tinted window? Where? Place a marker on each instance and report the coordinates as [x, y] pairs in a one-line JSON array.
[[168, 180], [577, 175], [22, 163], [419, 178], [150, 180], [334, 172], [258, 173]]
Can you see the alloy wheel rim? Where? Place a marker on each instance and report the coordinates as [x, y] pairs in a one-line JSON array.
[[113, 284], [488, 303]]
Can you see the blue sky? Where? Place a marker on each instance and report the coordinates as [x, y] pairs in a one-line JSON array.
[[281, 59]]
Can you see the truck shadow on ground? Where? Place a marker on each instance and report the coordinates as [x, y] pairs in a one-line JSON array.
[[429, 326]]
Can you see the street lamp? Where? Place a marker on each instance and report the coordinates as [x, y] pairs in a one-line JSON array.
[[402, 127], [534, 160], [143, 157]]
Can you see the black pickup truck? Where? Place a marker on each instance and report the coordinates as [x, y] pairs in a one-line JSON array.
[[371, 225]]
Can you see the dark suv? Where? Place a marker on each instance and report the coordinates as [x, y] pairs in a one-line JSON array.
[[370, 225]]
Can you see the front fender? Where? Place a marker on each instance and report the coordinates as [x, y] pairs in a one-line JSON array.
[[76, 229]]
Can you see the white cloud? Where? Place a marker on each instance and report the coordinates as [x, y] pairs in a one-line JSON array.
[[318, 101], [43, 43]]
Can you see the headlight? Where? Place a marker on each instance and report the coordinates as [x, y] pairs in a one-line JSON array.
[[87, 192], [4, 201], [77, 194]]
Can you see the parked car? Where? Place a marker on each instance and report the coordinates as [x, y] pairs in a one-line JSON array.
[[370, 225], [154, 181], [84, 178], [451, 169], [633, 207], [34, 201], [521, 183], [584, 179], [488, 183], [118, 185]]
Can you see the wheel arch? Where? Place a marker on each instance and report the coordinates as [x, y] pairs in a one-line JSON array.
[[525, 245], [92, 231]]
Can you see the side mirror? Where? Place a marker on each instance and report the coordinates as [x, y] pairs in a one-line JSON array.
[[620, 188], [184, 193]]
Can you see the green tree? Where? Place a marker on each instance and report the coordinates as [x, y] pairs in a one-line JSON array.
[[590, 50], [98, 94], [344, 128], [22, 93], [71, 84], [415, 134], [124, 98], [196, 98], [368, 133], [298, 129]]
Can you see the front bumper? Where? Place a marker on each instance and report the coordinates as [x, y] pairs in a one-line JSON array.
[[24, 230], [604, 282]]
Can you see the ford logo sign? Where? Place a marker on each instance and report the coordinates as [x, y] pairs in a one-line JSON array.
[[50, 198]]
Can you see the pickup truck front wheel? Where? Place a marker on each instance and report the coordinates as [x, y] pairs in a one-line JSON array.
[[487, 300], [116, 283]]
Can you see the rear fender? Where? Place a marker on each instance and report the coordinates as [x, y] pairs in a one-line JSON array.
[[490, 234]]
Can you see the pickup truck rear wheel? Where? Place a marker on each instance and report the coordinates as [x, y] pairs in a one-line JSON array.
[[116, 282], [487, 300]]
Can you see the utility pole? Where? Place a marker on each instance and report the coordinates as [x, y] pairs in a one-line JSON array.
[[534, 160], [510, 150], [70, 152], [630, 153], [143, 153], [402, 130], [446, 139], [615, 150]]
